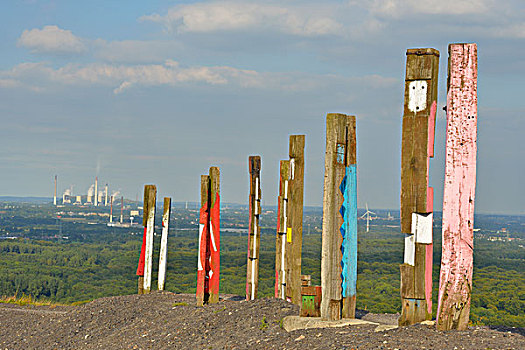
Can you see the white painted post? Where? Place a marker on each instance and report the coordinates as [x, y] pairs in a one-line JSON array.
[[148, 258], [163, 256]]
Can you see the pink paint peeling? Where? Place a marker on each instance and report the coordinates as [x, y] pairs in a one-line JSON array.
[[428, 277], [460, 183]]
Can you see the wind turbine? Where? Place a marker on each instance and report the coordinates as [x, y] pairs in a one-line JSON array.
[[367, 214]]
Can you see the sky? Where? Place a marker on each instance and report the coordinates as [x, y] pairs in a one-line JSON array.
[[139, 92]]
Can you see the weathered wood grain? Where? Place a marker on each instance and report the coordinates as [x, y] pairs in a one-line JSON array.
[[339, 253], [215, 236], [455, 283], [254, 233], [203, 267], [149, 213], [280, 238], [163, 254], [294, 226], [421, 80]]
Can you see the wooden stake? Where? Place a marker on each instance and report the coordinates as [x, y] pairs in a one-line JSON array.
[[416, 197], [339, 245], [455, 282], [294, 228], [215, 237], [254, 233], [163, 255], [280, 239], [146, 251], [203, 257]]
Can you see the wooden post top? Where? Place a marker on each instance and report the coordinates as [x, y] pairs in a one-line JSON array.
[[423, 51], [150, 194]]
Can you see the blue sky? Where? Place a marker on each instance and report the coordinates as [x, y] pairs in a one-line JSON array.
[[156, 92]]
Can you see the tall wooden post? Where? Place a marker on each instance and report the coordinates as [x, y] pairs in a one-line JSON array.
[[146, 251], [416, 197], [163, 255], [339, 245], [203, 266], [294, 228], [282, 223], [208, 264], [254, 232], [455, 282], [215, 237]]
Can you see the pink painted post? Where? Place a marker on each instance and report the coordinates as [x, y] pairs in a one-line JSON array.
[[455, 282]]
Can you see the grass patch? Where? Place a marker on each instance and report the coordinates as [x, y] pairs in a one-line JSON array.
[[180, 304], [27, 300]]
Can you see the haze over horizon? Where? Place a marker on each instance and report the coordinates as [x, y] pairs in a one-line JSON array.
[[157, 92]]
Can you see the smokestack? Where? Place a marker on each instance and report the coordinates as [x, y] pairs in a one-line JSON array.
[[111, 210], [55, 196], [121, 209], [96, 191], [106, 201]]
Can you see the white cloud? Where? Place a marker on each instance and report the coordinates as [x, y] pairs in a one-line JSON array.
[[37, 76], [240, 16], [51, 39], [400, 8]]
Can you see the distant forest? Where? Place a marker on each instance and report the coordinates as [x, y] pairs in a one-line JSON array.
[[105, 261]]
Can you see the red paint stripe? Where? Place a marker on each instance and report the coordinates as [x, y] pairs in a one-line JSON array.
[[428, 277], [201, 274], [142, 257], [430, 199], [431, 129], [215, 213]]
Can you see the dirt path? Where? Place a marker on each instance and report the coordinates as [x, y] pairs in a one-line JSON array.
[[171, 321]]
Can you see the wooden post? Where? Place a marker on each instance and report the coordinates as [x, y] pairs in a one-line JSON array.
[[215, 237], [416, 197], [455, 283], [254, 233], [146, 251], [163, 255], [203, 257], [282, 223], [294, 228], [208, 264], [339, 240]]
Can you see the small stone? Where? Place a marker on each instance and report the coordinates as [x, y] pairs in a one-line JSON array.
[[301, 337]]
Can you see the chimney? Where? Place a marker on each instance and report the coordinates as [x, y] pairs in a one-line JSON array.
[[121, 209], [111, 210], [96, 191], [106, 201], [55, 196]]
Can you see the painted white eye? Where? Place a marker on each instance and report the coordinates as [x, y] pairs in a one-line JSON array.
[[417, 96]]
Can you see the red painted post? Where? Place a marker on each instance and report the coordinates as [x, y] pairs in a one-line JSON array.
[[203, 258], [215, 236], [208, 264], [455, 282]]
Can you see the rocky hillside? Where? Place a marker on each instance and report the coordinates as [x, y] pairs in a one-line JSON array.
[[171, 321]]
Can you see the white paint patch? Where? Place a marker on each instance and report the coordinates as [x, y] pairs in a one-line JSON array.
[[199, 262], [212, 239], [417, 95], [410, 250], [292, 168], [422, 227]]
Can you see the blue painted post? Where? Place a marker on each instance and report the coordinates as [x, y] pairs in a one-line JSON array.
[[339, 246]]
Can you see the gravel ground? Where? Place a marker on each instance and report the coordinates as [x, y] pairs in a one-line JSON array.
[[171, 321]]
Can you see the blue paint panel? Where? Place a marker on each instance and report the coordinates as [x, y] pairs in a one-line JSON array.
[[348, 230]]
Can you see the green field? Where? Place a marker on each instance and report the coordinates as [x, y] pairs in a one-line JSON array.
[[67, 272]]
